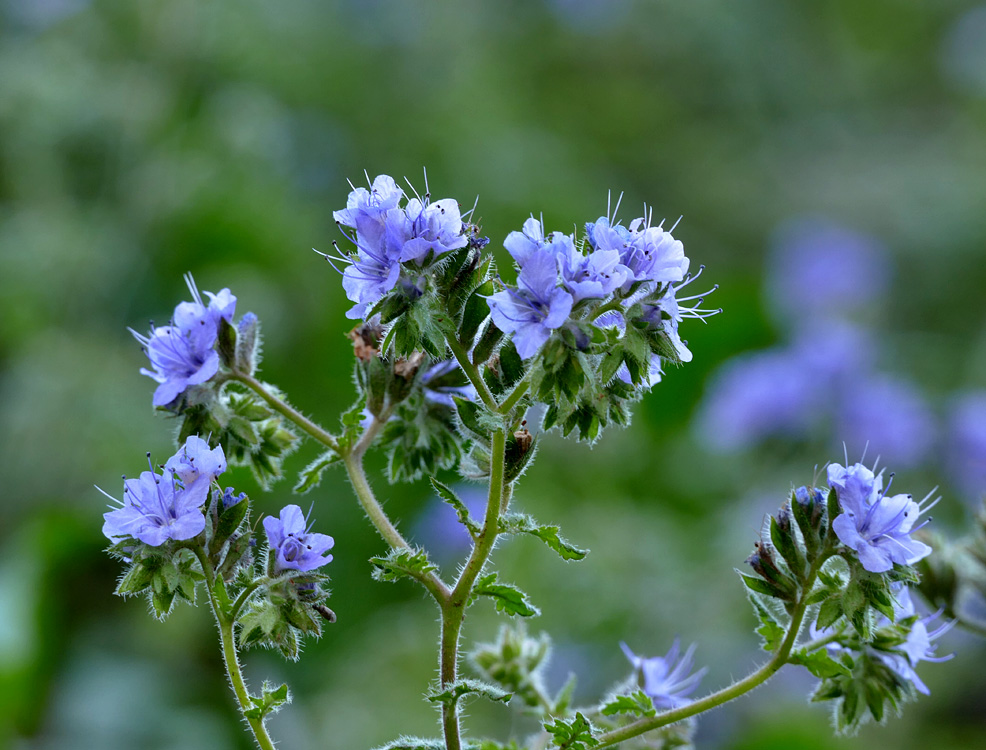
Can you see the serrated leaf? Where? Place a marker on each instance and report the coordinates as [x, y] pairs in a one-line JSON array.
[[448, 495], [770, 629], [638, 703], [519, 523], [572, 734], [402, 563], [269, 701], [829, 613], [819, 663], [508, 598], [311, 476], [453, 693]]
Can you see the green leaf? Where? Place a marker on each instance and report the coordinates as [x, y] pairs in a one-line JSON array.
[[637, 704], [509, 599], [311, 476], [761, 586], [270, 700], [402, 563], [448, 495], [819, 663], [519, 523], [477, 310], [770, 629], [453, 693], [829, 613], [572, 734], [136, 579], [413, 743]]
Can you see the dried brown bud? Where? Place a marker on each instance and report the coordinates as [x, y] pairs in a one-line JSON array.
[[366, 340], [406, 368]]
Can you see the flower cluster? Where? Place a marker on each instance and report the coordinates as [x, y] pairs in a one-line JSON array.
[[158, 507], [666, 679], [559, 278], [875, 525], [387, 235], [183, 353]]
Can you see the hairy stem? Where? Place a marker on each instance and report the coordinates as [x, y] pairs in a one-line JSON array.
[[757, 678], [515, 395], [228, 642], [454, 608], [472, 372], [285, 410]]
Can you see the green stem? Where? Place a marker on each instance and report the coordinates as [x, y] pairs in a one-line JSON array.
[[515, 395], [228, 643], [472, 372], [284, 409], [615, 304], [357, 476], [757, 678], [454, 608]]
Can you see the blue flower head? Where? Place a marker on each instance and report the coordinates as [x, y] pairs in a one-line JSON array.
[[387, 235], [918, 647], [666, 679], [292, 545], [535, 308], [158, 507], [184, 353], [876, 526]]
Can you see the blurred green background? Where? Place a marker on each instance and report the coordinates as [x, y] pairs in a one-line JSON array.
[[141, 140]]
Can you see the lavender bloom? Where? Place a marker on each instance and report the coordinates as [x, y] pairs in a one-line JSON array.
[[877, 527], [522, 245], [435, 228], [437, 391], [382, 196], [595, 275], [195, 461], [292, 545], [183, 354], [822, 269], [891, 416], [533, 310], [967, 443], [665, 679], [387, 235], [157, 507], [917, 648], [648, 253], [229, 498]]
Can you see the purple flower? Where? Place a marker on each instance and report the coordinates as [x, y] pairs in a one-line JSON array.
[[876, 526], [157, 507], [387, 235], [228, 498], [648, 253], [530, 241], [195, 461], [595, 275], [822, 269], [535, 308], [183, 354], [292, 545], [918, 647], [967, 443], [889, 415], [665, 679], [438, 390]]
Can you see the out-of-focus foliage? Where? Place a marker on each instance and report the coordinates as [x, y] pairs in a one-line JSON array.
[[142, 140]]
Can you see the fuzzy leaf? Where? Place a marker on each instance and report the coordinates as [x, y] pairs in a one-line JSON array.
[[448, 495], [270, 700], [519, 523], [452, 694], [311, 476], [819, 663], [638, 703], [402, 563], [572, 734], [509, 599]]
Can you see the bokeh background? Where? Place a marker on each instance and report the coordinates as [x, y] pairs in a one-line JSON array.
[[828, 158]]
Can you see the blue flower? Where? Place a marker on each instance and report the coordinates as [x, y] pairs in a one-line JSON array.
[[535, 308], [918, 647], [292, 545], [595, 275], [157, 507], [876, 526], [665, 679], [530, 241], [437, 390], [649, 253], [387, 235], [184, 353], [196, 461]]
